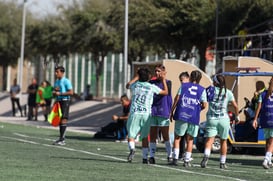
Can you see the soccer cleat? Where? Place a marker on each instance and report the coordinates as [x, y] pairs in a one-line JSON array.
[[124, 141], [174, 162], [169, 159], [187, 164], [145, 161], [152, 160], [270, 164], [181, 156], [131, 155], [59, 142], [223, 166], [204, 162], [266, 164]]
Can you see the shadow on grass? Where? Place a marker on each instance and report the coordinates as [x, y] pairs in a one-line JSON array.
[[88, 159], [88, 138], [245, 162]]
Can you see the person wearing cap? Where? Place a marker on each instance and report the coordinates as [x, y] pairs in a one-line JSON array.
[[63, 90], [218, 121]]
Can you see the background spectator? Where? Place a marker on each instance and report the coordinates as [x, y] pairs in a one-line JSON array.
[[122, 120], [32, 90], [15, 97], [210, 58]]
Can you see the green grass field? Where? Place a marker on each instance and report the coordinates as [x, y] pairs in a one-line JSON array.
[[27, 154]]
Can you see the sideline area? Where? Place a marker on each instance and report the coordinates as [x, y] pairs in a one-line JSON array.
[[85, 116]]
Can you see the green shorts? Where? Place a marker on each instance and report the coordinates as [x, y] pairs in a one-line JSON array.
[[217, 127], [182, 127], [268, 133], [159, 121], [138, 123]]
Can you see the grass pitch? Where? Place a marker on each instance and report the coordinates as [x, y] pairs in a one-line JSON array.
[[27, 154]]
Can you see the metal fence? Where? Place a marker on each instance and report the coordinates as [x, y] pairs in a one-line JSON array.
[[81, 70], [261, 45]]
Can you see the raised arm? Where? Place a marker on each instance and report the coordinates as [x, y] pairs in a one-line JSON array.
[[165, 90], [132, 81]]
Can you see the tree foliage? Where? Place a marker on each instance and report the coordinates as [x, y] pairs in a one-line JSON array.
[[91, 33], [10, 33], [155, 26]]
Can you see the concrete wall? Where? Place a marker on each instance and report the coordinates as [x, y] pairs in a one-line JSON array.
[[28, 74]]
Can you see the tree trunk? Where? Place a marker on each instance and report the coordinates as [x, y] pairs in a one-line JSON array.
[[97, 85], [99, 68]]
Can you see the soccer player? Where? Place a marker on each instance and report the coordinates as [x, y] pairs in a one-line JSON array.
[[218, 121], [183, 78], [190, 100], [62, 90], [161, 109], [140, 111], [265, 111]]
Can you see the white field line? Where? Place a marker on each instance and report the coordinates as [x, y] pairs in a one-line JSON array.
[[93, 114], [114, 158], [25, 136]]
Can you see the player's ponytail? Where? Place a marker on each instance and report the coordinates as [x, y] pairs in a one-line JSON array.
[[270, 88]]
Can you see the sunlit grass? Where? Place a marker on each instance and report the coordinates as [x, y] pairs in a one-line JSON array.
[[27, 154]]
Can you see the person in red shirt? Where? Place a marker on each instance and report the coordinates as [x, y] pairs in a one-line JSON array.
[[122, 120], [210, 59]]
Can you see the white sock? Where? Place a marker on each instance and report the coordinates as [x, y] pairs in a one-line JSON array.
[[176, 153], [187, 156], [223, 158], [131, 145], [168, 147], [145, 153], [152, 149], [207, 152], [268, 156]]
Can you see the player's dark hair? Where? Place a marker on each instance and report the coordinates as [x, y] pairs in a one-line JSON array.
[[160, 66], [270, 88], [144, 74], [260, 85], [195, 76], [124, 96], [61, 68], [219, 81], [184, 74]]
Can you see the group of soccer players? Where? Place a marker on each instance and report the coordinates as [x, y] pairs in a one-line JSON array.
[[152, 108]]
